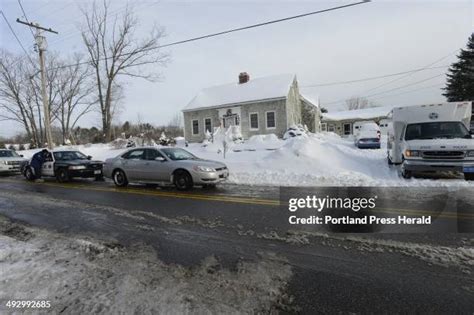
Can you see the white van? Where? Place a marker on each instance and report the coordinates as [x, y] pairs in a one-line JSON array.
[[432, 137]]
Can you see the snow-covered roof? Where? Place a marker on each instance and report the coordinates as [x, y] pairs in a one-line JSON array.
[[311, 99], [256, 89], [366, 113]]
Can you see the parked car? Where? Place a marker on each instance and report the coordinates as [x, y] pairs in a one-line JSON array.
[[368, 136], [11, 162], [432, 138], [66, 165], [149, 165]]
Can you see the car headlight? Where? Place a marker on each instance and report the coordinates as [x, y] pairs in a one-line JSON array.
[[204, 169], [470, 153], [412, 153], [77, 167], [5, 162]]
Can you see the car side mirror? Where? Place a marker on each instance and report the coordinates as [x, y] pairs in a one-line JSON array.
[[160, 158], [89, 157]]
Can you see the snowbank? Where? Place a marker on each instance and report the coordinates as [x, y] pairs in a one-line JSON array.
[[86, 276]]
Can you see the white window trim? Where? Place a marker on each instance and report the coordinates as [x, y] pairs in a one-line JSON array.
[[192, 126], [250, 121], [204, 121], [275, 118], [331, 126], [324, 127]]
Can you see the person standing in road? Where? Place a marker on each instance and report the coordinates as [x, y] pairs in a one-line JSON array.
[[37, 162]]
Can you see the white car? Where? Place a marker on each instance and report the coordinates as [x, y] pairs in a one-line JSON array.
[[368, 136], [10, 161]]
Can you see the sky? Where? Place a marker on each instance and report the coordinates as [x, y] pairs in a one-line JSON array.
[[364, 41]]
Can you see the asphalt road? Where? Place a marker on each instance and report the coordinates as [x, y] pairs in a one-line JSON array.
[[333, 273]]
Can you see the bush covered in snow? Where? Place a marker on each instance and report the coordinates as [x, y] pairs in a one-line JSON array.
[[295, 131]]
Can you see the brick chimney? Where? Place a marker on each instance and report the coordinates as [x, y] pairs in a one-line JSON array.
[[244, 77]]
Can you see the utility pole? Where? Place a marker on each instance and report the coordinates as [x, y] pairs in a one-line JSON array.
[[41, 45]]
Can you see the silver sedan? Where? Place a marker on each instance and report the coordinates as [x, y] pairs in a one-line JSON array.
[[151, 165]]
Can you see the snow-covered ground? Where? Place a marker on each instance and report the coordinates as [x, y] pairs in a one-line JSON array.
[[80, 275], [323, 159]]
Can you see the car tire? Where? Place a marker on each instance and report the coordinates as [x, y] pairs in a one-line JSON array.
[[120, 179], [182, 180], [469, 176], [29, 173], [62, 175]]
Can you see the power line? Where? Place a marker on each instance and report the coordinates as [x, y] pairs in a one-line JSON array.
[[397, 79], [17, 39], [394, 89], [410, 91], [232, 30], [372, 78], [26, 18]]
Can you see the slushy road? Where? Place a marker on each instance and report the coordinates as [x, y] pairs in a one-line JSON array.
[[381, 272]]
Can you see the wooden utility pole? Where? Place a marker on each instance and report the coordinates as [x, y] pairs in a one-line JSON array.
[[41, 45]]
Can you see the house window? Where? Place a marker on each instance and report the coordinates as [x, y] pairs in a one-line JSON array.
[[270, 118], [208, 124], [195, 127], [253, 121], [347, 129], [331, 128], [324, 126]]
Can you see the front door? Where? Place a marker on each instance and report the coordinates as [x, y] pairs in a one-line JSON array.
[[157, 170]]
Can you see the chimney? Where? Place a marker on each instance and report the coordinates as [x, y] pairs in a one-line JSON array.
[[244, 77]]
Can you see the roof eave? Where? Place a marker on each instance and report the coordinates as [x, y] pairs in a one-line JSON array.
[[236, 104]]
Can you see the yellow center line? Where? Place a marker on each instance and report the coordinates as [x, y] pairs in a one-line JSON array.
[[236, 199]]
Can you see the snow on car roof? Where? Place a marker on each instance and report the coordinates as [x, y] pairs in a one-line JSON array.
[[264, 88], [366, 113]]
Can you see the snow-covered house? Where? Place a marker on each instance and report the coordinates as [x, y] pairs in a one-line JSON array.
[[343, 122], [267, 105]]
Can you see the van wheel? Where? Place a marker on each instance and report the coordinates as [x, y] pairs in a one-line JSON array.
[[469, 176], [183, 180], [120, 179], [405, 174]]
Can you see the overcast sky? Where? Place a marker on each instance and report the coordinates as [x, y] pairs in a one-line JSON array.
[[373, 39]]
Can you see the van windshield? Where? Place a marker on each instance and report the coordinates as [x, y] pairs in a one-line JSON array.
[[436, 130]]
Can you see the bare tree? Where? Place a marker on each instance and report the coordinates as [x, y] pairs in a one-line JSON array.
[[358, 102], [16, 100], [75, 90], [115, 50]]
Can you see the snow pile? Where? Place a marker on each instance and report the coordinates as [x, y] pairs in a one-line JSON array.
[[87, 276], [295, 131], [260, 142]]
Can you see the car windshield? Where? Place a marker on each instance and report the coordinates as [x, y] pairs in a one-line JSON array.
[[8, 153], [436, 130], [69, 156], [178, 154]]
